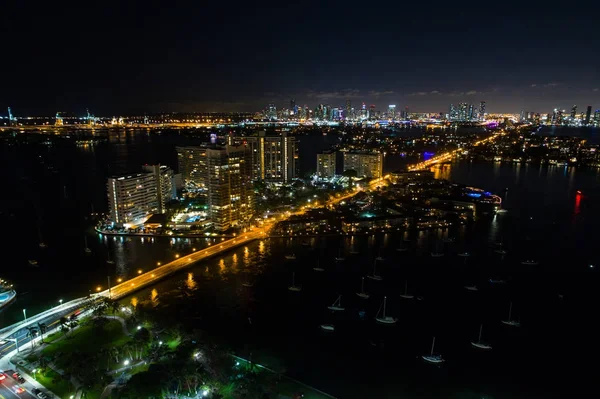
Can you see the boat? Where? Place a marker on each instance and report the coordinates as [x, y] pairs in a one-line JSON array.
[[501, 249], [353, 251], [406, 295], [340, 258], [290, 257], [383, 318], [464, 254], [247, 284], [380, 258], [337, 305], [471, 287], [305, 244], [41, 244], [510, 321], [362, 292], [294, 287], [327, 327], [109, 260], [479, 344], [449, 240], [7, 293], [402, 248], [318, 268], [495, 281], [433, 358], [530, 262], [33, 262], [374, 275], [437, 253], [87, 249]]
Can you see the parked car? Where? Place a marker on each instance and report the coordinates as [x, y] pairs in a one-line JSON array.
[[39, 393], [18, 389]]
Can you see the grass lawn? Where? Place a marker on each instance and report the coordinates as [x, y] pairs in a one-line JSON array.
[[89, 339], [55, 383]]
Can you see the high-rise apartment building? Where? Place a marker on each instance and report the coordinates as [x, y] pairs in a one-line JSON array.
[[482, 111], [229, 185], [348, 113], [165, 184], [131, 197], [192, 165], [573, 111], [326, 164], [367, 164], [588, 114], [392, 111], [274, 158]]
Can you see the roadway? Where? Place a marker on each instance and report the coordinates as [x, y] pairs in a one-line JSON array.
[[7, 390], [449, 155]]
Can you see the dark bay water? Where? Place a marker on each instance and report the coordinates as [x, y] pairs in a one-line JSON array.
[[545, 219]]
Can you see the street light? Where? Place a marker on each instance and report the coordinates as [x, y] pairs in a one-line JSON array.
[[126, 362], [60, 301]]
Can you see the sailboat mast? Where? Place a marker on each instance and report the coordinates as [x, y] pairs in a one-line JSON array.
[[406, 287], [384, 305], [432, 345], [480, 329], [510, 312], [362, 285]]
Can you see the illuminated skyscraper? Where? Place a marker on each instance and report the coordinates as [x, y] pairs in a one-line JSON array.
[[192, 165], [273, 158], [482, 111], [392, 111], [573, 111], [588, 114], [131, 198], [363, 112], [597, 116], [348, 114], [326, 164], [293, 108], [230, 192], [463, 109], [452, 114], [163, 179], [367, 164], [271, 113]]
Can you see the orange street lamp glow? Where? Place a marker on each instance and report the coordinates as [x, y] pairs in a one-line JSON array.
[[98, 288]]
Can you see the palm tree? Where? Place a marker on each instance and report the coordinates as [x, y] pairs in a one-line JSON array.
[[64, 325], [42, 328], [31, 334]]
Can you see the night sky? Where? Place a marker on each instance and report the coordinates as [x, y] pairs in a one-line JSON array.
[[125, 59]]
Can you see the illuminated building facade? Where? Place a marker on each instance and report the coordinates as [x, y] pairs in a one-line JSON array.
[[165, 185], [326, 164], [229, 184], [131, 198], [367, 164], [192, 165], [274, 158]]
